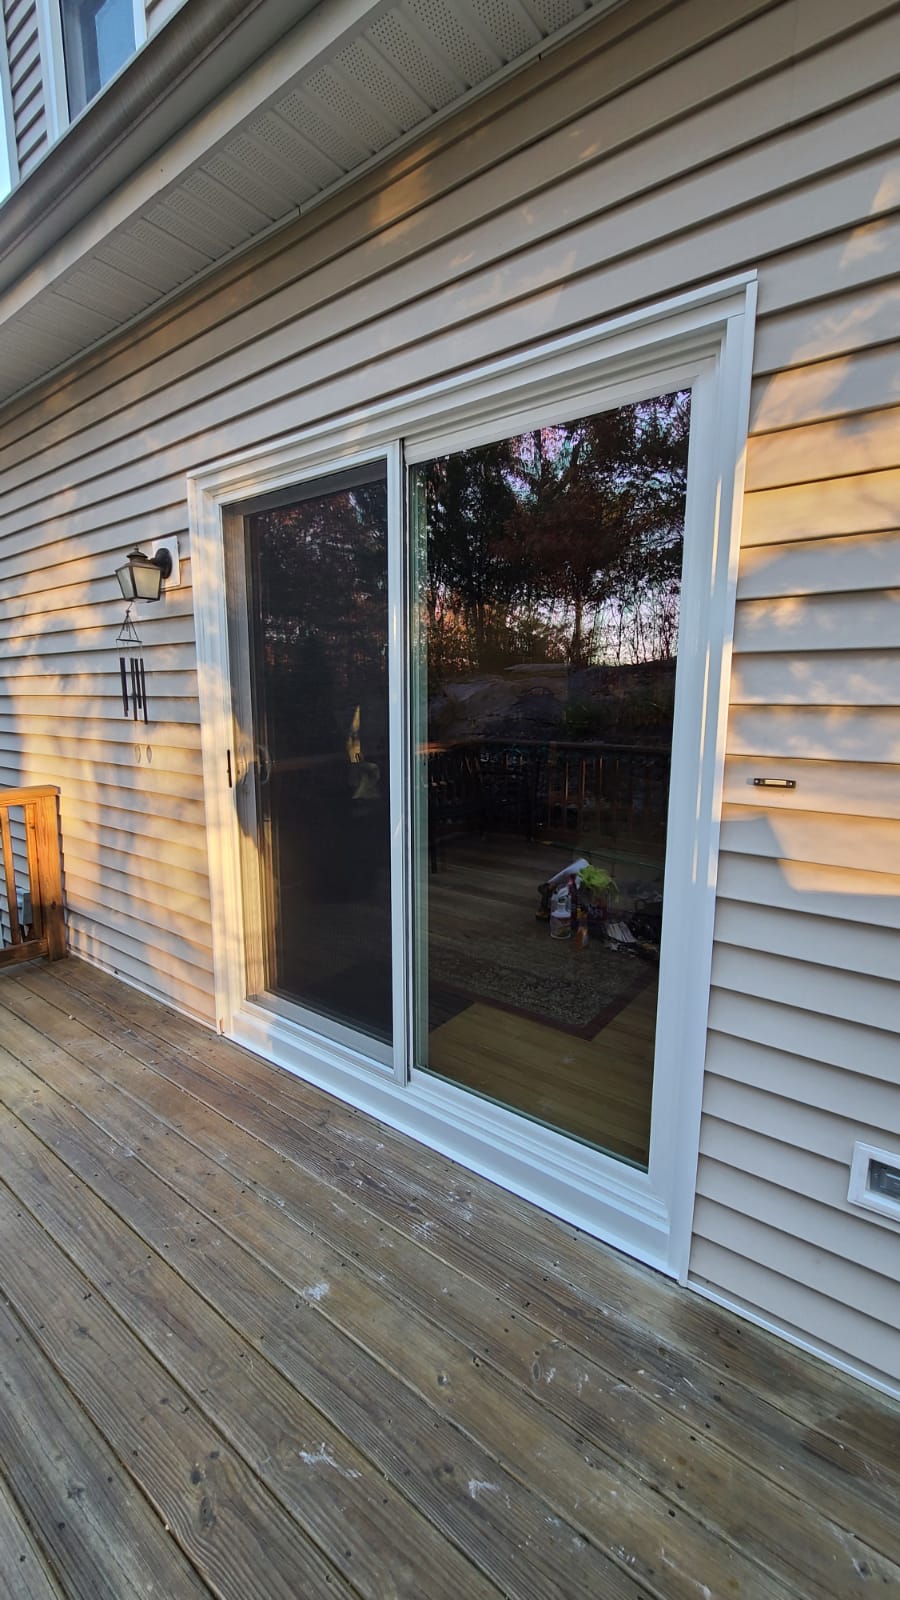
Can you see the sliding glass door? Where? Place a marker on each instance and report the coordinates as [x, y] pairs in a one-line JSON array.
[[547, 579], [464, 664], [523, 794]]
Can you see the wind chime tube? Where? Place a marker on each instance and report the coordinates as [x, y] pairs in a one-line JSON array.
[[134, 689], [124, 685], [143, 686]]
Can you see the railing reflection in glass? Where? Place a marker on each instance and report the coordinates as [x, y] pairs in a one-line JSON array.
[[547, 577]]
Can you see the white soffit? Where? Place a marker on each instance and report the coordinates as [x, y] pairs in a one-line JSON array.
[[346, 95]]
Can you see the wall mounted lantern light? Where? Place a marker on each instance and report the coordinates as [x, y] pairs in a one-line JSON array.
[[141, 577]]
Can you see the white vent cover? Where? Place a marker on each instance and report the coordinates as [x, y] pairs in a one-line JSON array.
[[875, 1180]]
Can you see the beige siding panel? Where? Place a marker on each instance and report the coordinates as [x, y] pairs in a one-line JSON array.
[[29, 706], [835, 621], [566, 199], [127, 786], [842, 261], [854, 321], [165, 660], [119, 732], [772, 1078], [33, 144], [841, 788], [601, 178], [850, 678], [847, 996], [131, 803], [184, 863], [179, 853], [101, 685], [158, 824], [874, 952], [805, 1195], [810, 836], [851, 1334], [109, 761], [868, 442], [92, 859], [862, 1050], [861, 381], [838, 892], [114, 892], [821, 566], [70, 597], [816, 1267], [813, 733], [180, 630], [161, 976], [158, 943], [134, 482], [866, 503]]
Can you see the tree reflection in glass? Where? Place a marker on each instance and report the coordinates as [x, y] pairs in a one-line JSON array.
[[548, 575]]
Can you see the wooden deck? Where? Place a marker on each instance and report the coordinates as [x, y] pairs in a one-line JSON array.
[[254, 1345]]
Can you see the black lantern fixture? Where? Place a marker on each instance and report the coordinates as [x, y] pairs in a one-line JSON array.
[[142, 576]]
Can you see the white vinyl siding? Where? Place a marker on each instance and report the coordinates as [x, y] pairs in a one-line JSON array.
[[25, 86], [668, 146]]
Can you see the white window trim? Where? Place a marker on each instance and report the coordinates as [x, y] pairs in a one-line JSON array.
[[53, 62], [703, 338], [53, 68]]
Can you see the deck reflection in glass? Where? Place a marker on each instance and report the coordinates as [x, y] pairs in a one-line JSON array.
[[548, 577]]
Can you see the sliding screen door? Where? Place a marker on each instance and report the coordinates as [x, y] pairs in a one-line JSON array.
[[313, 798]]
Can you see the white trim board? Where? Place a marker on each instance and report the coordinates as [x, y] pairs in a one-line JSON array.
[[701, 340]]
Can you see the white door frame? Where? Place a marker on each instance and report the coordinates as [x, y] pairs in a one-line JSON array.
[[702, 340]]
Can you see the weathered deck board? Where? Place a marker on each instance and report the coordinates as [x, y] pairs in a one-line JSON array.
[[396, 1359], [24, 1574], [577, 1286], [97, 1532]]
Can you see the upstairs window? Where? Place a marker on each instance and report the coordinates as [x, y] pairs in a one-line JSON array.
[[98, 37]]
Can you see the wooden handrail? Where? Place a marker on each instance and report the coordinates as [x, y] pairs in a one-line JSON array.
[[47, 936]]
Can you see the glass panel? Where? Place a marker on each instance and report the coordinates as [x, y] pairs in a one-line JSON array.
[[317, 582], [548, 573], [98, 38]]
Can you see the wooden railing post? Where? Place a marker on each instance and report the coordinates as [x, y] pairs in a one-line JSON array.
[[50, 891]]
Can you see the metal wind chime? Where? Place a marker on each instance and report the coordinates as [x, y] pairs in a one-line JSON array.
[[132, 673], [140, 578]]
